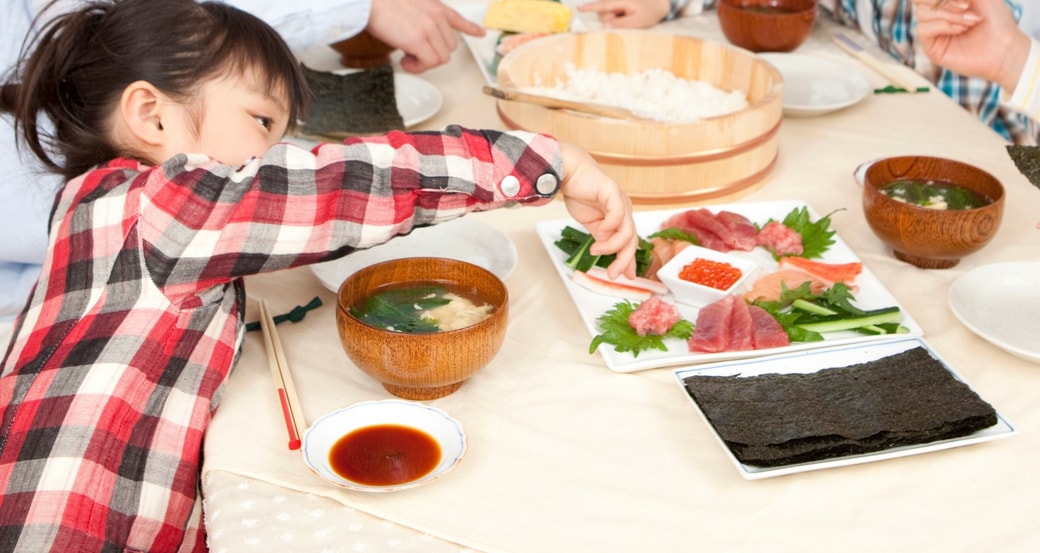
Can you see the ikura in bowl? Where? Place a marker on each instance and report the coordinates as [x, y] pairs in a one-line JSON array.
[[931, 237], [428, 363], [721, 273], [383, 446]]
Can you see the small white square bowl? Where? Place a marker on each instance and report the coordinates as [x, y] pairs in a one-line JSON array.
[[699, 295]]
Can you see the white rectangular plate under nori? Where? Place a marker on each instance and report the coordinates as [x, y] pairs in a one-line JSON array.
[[820, 360]]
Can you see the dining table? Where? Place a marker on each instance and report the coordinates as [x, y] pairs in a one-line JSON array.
[[565, 455]]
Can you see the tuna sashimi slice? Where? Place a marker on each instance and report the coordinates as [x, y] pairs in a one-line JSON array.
[[712, 328], [768, 333], [741, 326], [742, 234]]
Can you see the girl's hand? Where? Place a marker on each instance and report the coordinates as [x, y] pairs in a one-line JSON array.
[[599, 204], [628, 14]]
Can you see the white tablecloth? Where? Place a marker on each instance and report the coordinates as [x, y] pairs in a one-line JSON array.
[[567, 456]]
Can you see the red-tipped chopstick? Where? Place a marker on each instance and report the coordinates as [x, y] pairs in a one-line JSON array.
[[283, 382]]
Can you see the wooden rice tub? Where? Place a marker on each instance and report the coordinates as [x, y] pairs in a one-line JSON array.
[[717, 158]]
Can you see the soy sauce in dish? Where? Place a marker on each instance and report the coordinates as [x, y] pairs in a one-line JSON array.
[[934, 194], [384, 455]]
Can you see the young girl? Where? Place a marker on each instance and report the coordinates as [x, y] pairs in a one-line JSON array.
[[167, 118]]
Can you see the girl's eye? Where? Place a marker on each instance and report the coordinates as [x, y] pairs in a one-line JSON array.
[[265, 122]]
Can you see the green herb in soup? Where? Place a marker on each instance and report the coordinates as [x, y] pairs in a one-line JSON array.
[[418, 308], [934, 194]]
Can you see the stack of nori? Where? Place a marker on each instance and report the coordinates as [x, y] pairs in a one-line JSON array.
[[362, 102], [781, 419]]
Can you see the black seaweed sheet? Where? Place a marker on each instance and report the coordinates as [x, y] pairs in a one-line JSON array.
[[362, 102], [781, 419], [1027, 161]]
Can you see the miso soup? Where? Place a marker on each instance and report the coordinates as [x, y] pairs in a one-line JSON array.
[[421, 307], [934, 194]]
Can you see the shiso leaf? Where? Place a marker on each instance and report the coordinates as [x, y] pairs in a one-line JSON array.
[[1027, 160], [617, 332]]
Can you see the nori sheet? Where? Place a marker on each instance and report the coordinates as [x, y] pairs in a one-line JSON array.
[[1027, 160], [361, 102], [781, 419]]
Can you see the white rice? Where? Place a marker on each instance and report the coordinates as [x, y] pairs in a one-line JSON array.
[[654, 94]]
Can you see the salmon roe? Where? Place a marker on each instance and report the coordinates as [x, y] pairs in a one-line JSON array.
[[716, 274]]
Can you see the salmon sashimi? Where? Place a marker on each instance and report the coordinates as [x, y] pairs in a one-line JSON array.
[[830, 273], [769, 287], [664, 249]]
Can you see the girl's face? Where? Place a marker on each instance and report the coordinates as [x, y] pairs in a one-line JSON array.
[[236, 120]]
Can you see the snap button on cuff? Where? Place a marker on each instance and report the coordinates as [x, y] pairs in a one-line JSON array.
[[547, 184], [510, 186]]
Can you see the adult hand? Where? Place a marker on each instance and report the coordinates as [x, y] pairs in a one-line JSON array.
[[597, 202], [628, 14], [423, 29], [979, 38]]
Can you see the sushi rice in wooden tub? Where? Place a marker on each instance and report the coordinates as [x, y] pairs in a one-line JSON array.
[[721, 157]]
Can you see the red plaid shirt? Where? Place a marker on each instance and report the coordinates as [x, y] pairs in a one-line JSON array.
[[118, 362]]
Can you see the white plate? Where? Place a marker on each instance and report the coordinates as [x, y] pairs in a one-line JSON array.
[[417, 100], [319, 438], [823, 359], [591, 305], [1001, 303], [814, 86], [463, 239], [483, 48]]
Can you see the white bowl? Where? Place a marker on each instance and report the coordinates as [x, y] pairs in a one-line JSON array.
[[319, 439], [699, 295]]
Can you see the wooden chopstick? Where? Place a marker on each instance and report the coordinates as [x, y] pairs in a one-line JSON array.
[[601, 110], [857, 51], [283, 382]]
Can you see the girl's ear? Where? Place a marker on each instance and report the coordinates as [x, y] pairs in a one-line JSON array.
[[141, 109]]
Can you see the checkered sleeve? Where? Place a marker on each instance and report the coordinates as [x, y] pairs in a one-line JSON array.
[[203, 222]]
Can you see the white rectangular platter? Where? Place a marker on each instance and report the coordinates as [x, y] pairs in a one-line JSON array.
[[871, 294], [821, 360]]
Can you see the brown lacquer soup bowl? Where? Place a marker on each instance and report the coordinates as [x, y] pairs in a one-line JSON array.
[[464, 311], [932, 211], [767, 25]]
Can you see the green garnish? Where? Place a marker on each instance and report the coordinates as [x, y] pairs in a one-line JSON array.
[[674, 233], [620, 334], [401, 310], [805, 315], [576, 243]]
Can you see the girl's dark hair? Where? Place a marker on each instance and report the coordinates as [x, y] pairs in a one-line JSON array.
[[80, 62]]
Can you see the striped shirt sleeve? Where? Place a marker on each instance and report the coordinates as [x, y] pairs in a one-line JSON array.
[[1026, 96]]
